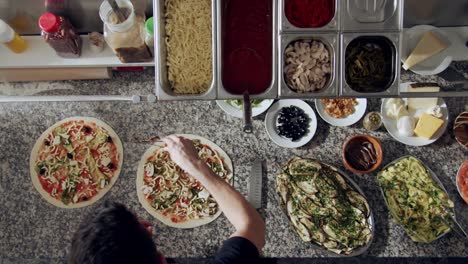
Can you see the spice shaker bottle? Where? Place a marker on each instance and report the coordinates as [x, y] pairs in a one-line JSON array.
[[126, 38], [11, 39], [149, 36], [60, 34]]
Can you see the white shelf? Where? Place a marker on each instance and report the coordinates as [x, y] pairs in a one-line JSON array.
[[40, 55]]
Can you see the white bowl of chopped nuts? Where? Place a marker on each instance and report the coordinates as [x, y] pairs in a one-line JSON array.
[[341, 112]]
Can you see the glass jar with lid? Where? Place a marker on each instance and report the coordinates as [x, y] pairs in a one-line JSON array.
[[126, 38]]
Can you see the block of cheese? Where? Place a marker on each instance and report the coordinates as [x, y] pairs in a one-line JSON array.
[[423, 103], [428, 46], [427, 126]]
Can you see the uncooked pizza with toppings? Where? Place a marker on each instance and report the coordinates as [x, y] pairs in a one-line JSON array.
[[76, 161], [172, 195]]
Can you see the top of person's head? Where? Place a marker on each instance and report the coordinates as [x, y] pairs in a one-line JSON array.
[[112, 234]]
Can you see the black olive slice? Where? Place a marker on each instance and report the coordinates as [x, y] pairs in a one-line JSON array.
[[86, 129]]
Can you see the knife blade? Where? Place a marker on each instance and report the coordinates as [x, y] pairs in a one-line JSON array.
[[255, 184], [463, 86]]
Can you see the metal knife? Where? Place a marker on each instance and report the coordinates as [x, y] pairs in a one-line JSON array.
[[255, 184], [463, 86]]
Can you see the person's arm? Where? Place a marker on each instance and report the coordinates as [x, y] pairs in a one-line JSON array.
[[246, 220]]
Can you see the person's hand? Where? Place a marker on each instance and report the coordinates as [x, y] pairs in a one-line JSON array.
[[183, 153], [147, 225]]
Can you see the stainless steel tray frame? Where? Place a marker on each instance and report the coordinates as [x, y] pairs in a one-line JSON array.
[[163, 87], [393, 23], [286, 26], [394, 88], [332, 42]]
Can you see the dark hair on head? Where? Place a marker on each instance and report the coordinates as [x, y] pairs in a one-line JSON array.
[[112, 234]]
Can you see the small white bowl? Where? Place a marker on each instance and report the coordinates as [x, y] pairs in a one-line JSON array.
[[359, 111], [272, 116]]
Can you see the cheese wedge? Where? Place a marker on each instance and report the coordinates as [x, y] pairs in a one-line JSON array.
[[427, 126], [428, 46], [423, 103]]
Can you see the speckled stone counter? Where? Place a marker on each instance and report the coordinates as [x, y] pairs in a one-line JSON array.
[[33, 229]]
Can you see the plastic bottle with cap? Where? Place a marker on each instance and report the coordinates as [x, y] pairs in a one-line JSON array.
[[149, 37], [11, 39], [60, 34]]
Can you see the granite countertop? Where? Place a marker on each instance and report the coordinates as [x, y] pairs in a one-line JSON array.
[[31, 228]]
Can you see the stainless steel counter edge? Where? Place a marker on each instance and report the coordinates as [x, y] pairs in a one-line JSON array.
[[69, 98]]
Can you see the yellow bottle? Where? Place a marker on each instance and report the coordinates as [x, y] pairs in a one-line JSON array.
[[11, 39]]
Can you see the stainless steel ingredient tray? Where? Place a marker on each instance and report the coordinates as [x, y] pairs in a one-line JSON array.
[[272, 91], [371, 15], [331, 41], [393, 88], [286, 26], [163, 88]]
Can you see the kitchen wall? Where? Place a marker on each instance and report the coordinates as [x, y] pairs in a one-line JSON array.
[[436, 12], [84, 14], [23, 14]]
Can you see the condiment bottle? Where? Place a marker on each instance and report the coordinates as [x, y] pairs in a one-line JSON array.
[[126, 38], [149, 37], [60, 34], [11, 39]]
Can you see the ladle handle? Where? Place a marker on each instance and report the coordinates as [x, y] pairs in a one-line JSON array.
[[248, 127]]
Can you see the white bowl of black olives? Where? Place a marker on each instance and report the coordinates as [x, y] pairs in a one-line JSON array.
[[291, 123]]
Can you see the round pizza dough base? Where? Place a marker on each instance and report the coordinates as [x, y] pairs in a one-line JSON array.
[[101, 193], [159, 216]]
